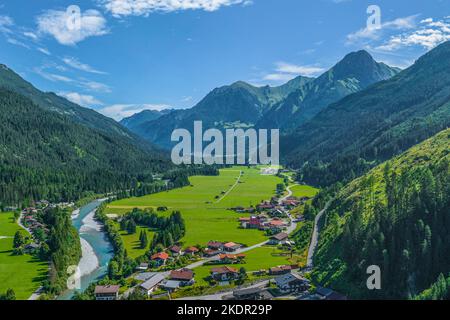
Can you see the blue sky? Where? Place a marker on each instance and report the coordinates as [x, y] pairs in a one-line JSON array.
[[129, 55]]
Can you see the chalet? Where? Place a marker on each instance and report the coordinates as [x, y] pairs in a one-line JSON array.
[[191, 251], [175, 250], [215, 245], [279, 238], [210, 252], [231, 246], [160, 258], [152, 284], [106, 292], [265, 206], [328, 294], [251, 223], [231, 258], [280, 270], [184, 276], [224, 273], [291, 282], [291, 203], [248, 294], [276, 224]]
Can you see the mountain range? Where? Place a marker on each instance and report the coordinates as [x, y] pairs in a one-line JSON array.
[[363, 129], [242, 105], [54, 149]]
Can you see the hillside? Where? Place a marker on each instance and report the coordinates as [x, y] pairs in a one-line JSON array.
[[136, 120], [236, 105], [363, 129], [52, 102], [397, 217], [355, 72], [46, 155]]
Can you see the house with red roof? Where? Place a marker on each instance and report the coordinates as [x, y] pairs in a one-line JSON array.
[[231, 246], [192, 251], [184, 276], [160, 258]]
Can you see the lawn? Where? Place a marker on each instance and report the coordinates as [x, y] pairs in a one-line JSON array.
[[206, 217], [132, 243], [257, 259], [304, 191], [24, 274]]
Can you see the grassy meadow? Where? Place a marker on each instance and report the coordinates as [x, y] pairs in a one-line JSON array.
[[204, 206], [24, 273], [304, 191]]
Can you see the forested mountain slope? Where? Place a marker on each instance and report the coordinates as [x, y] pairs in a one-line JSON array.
[[46, 155], [236, 105], [351, 136], [397, 217]]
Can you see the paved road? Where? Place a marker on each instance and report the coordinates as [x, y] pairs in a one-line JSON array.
[[315, 237]]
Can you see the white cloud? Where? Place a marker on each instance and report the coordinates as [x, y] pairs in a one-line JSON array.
[[120, 111], [279, 77], [44, 51], [31, 35], [17, 43], [52, 76], [144, 7], [54, 23], [95, 86], [429, 34], [6, 23], [81, 99], [76, 64], [284, 67], [376, 33]]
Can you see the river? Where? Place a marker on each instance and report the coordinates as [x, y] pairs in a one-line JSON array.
[[97, 251]]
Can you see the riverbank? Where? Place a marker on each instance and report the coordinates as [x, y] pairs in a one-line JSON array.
[[96, 249]]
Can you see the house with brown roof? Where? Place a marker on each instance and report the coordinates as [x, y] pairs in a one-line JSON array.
[[291, 282], [231, 258], [224, 273], [279, 238], [215, 245], [160, 258], [184, 276], [191, 251], [110, 292], [210, 252], [175, 250], [231, 246], [280, 270]]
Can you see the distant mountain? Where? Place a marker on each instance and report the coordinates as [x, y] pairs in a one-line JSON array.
[[236, 105], [138, 119], [53, 149], [351, 136], [355, 72], [395, 217], [52, 102]]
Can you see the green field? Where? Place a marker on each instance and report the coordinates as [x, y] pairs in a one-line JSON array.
[[303, 191], [257, 259], [206, 217], [132, 243], [24, 274]]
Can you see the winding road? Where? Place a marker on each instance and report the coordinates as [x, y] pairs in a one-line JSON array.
[[315, 237]]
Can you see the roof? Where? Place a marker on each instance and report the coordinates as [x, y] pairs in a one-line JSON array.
[[230, 245], [276, 222], [231, 256], [280, 236], [182, 274], [191, 249], [160, 255], [175, 249], [172, 284], [247, 292], [288, 278], [215, 244], [330, 294], [224, 269], [111, 289], [153, 281]]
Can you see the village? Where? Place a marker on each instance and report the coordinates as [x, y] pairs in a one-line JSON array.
[[158, 279]]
